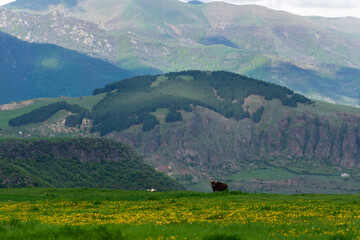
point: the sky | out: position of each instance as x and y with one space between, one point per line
324 8
3 2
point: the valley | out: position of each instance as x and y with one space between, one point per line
174 119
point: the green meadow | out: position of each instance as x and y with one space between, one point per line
82 213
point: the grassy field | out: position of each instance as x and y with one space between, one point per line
108 214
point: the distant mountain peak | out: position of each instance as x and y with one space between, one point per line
195 2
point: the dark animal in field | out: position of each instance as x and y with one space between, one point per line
219 186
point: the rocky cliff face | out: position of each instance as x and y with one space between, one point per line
313 136
207 145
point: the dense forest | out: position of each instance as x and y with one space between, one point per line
97 163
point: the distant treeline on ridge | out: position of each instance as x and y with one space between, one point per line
44 113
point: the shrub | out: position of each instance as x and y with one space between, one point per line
173 116
149 122
256 117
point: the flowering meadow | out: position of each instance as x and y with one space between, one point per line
108 214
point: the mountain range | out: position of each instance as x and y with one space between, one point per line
315 56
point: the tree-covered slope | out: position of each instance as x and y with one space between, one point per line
30 70
97 163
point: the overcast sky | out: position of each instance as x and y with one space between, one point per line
325 8
3 2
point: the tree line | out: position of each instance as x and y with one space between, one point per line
42 114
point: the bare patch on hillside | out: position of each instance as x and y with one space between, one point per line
158 81
253 102
57 127
15 105
218 97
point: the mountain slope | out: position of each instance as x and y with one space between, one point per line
197 126
42 70
167 35
98 163
117 14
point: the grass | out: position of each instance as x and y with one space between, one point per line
202 186
325 108
265 174
36 213
87 102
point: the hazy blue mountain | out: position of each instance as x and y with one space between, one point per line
30 70
195 2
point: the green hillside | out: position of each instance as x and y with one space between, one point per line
31 70
97 163
222 92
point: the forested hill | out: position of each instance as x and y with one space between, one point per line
197 126
134 99
96 163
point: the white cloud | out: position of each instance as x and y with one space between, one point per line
325 8
318 3
3 2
